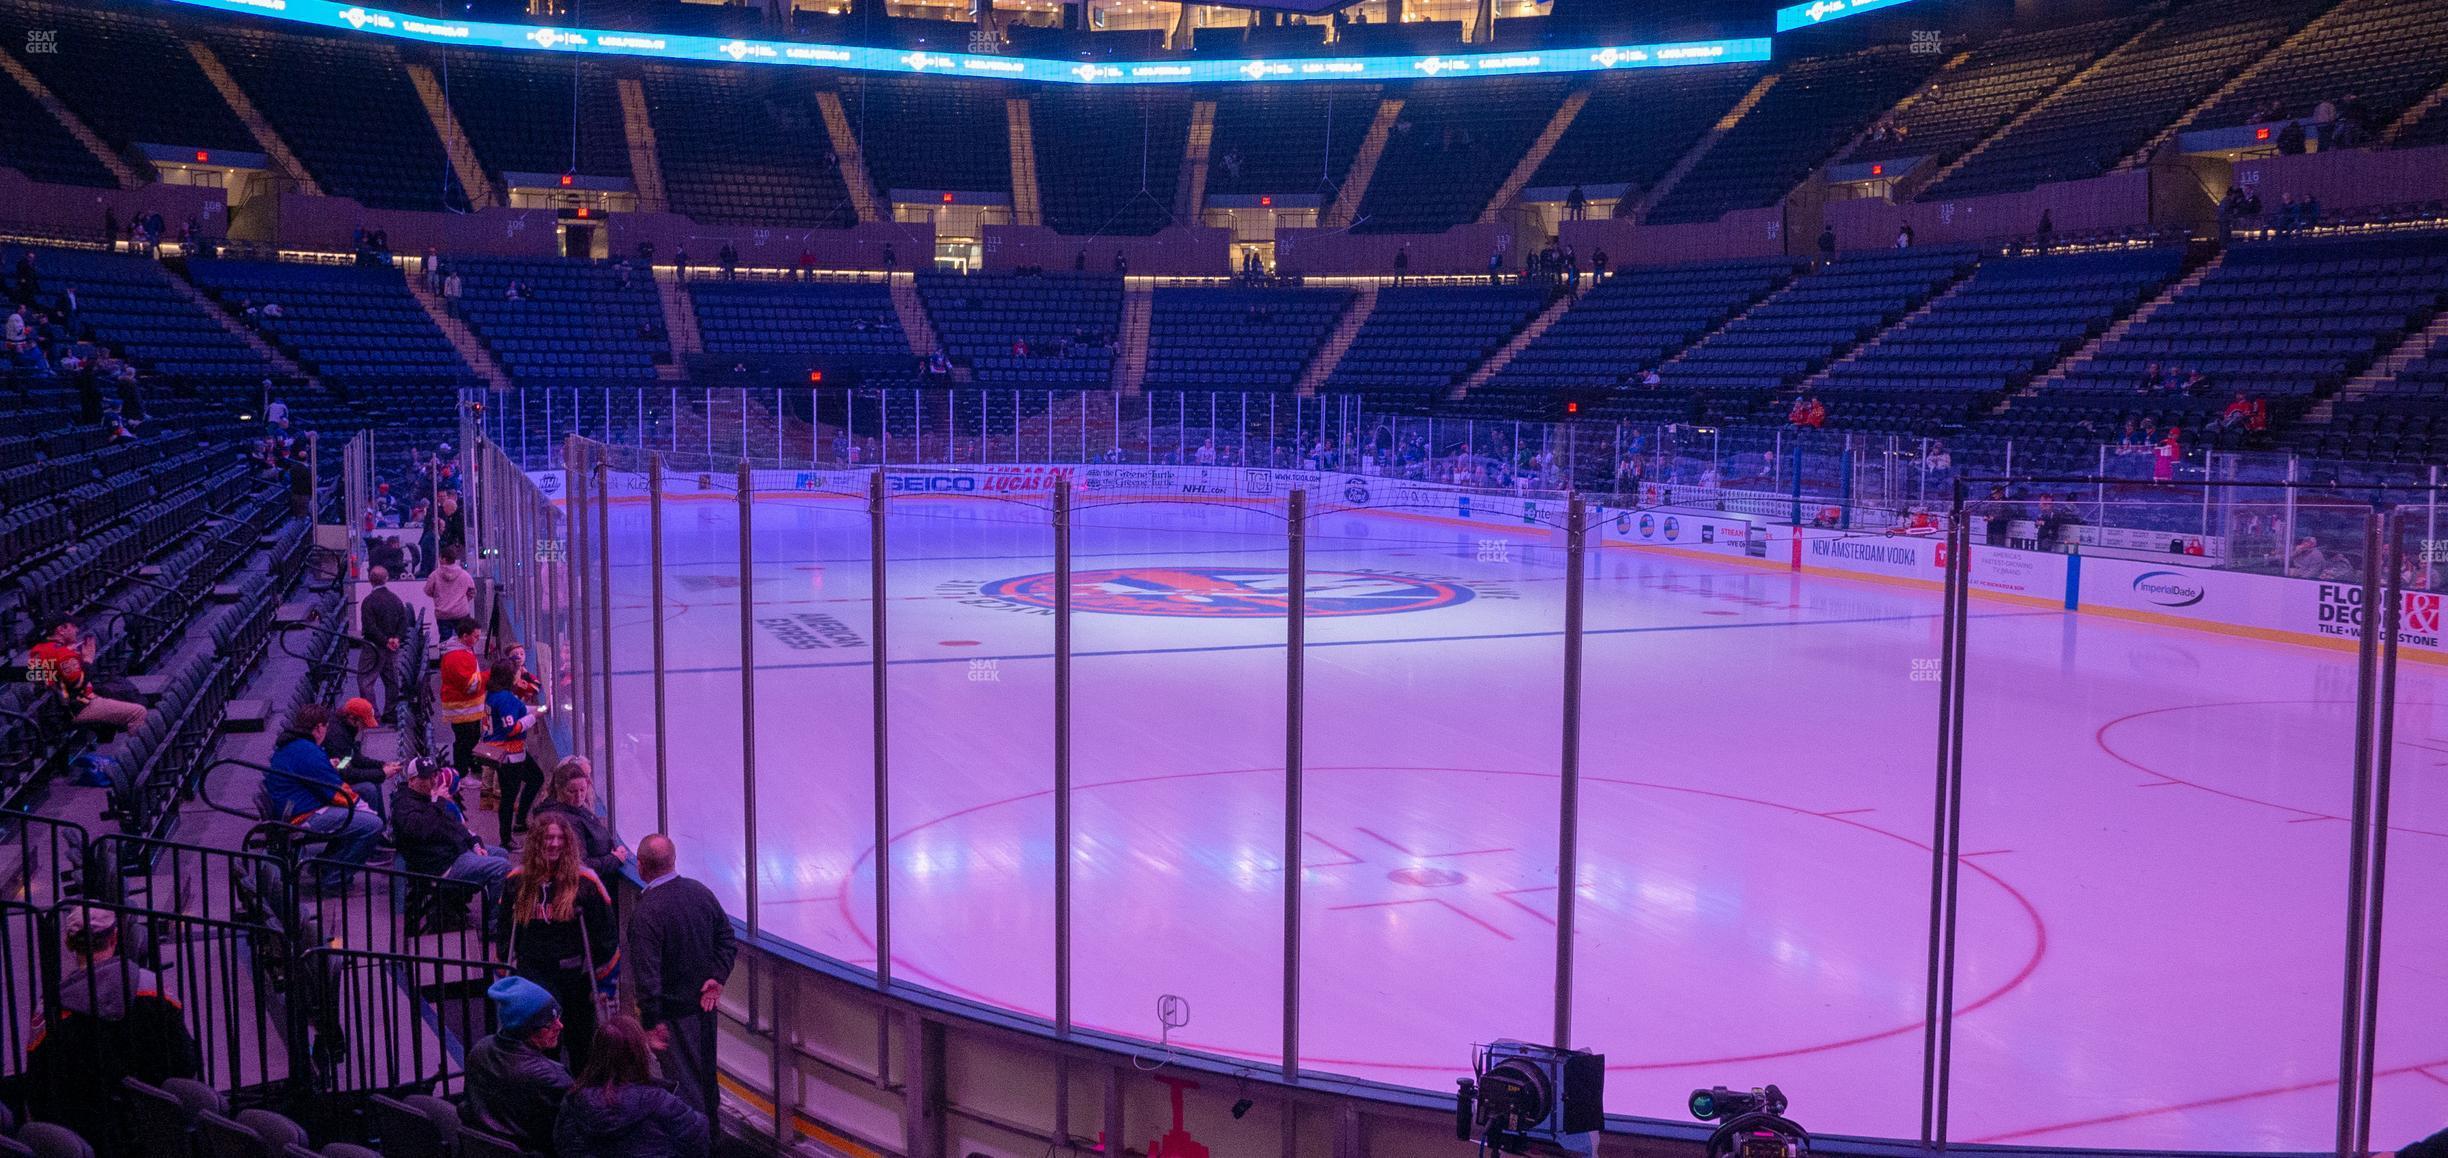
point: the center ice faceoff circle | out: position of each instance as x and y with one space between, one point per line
1232 592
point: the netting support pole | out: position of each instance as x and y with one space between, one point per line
1062 755
1938 986
748 700
2352 1094
1296 609
601 543
2384 728
662 701
1568 822
879 693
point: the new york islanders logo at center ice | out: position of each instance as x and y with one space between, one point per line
1232 592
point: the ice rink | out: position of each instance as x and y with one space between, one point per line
2154 877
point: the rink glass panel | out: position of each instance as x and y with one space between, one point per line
972 852
1433 731
1179 756
1755 814
812 601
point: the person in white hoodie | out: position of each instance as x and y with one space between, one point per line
451 588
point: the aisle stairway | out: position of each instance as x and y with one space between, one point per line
1337 343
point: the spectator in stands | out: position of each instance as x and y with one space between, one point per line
1598 267
345 745
1495 266
452 520
1206 453
2166 454
451 588
2237 413
1402 262
430 824
680 261
2307 213
681 943
515 1081
2045 234
1904 237
61 641
1576 204
1827 244
890 260
559 930
570 794
116 1021
452 287
2285 225
82 701
729 256
2307 559
507 718
307 790
301 482
462 691
29 280
384 624
1121 265
2291 139
2153 379
618 1110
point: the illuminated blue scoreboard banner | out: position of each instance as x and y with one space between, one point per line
1822 11
480 34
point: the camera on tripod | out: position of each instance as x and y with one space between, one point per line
1754 1123
1532 1099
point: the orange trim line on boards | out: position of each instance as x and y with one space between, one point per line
799 1121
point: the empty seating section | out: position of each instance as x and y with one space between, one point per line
2281 319
2012 318
580 324
1052 330
2390 426
1626 325
1237 339
920 135
34 143
350 113
1288 139
517 112
2001 78
1422 341
1811 111
129 304
344 323
1818 316
1453 147
745 147
1636 125
2082 130
828 320
2386 53
174 105
1107 160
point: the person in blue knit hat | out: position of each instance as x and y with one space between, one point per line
515 1080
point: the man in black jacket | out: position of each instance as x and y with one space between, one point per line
115 1020
429 827
681 950
514 1087
385 624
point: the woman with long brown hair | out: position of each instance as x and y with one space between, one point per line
558 928
569 792
616 1110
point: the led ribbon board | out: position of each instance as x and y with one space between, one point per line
1821 11
482 34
